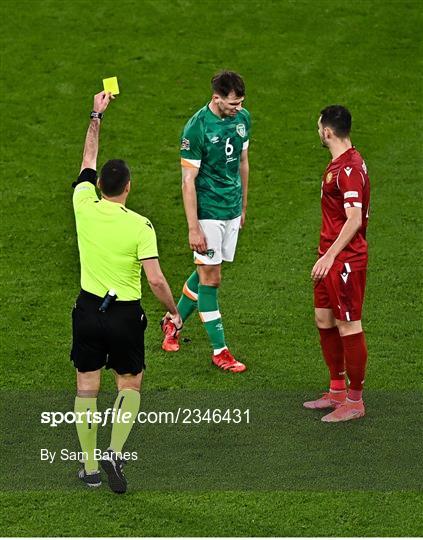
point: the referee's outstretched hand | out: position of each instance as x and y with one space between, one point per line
175 318
102 100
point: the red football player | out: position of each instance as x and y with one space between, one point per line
339 275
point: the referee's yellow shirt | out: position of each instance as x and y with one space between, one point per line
112 242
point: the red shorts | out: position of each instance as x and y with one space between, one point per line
342 291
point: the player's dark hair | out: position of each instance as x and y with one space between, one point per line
114 177
226 82
338 118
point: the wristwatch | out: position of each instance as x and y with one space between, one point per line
98 115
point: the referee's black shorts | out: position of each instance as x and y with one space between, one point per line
114 339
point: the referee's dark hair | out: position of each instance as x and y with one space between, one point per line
338 118
226 82
114 177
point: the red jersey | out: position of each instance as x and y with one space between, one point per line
345 184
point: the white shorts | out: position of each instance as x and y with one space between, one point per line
221 237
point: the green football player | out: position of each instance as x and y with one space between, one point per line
214 159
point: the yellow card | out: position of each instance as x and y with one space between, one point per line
111 85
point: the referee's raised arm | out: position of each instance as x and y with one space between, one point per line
89 158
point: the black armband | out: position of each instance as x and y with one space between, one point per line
86 175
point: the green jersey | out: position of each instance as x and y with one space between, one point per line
112 241
214 145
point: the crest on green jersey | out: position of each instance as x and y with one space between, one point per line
185 144
240 129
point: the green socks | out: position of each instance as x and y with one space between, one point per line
188 301
127 401
87 431
208 310
203 297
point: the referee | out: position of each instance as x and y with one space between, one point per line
108 322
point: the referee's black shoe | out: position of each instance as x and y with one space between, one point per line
92 480
113 467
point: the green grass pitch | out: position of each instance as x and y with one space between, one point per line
296 57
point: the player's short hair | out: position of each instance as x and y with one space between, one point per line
226 82
338 118
114 177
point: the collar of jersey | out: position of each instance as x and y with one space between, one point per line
343 155
218 118
112 204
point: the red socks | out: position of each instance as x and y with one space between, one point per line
333 353
355 351
353 348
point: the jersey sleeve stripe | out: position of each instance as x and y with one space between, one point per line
347 205
245 145
191 163
148 258
358 204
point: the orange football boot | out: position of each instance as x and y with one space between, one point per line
171 339
227 362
